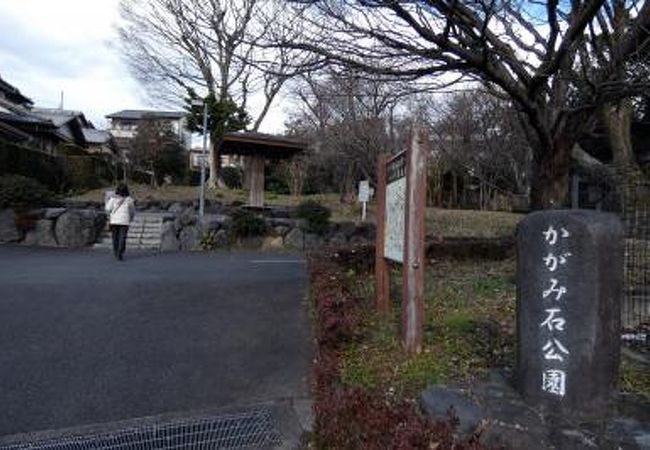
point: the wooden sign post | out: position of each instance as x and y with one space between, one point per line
401 211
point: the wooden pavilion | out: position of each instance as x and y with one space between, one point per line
256 148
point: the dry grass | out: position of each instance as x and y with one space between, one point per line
173 193
440 222
470 223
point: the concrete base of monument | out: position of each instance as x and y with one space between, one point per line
495 409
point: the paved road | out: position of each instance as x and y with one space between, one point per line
86 339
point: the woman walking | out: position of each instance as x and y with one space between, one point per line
121 209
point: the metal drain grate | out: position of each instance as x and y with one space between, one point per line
250 429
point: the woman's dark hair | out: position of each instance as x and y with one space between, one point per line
122 190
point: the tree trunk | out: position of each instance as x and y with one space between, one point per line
617 118
550 184
215 180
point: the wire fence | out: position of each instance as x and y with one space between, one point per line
627 194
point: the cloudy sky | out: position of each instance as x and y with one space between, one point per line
67 45
71 45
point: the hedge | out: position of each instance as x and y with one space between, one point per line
19 160
57 173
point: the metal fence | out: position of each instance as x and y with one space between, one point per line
254 429
627 194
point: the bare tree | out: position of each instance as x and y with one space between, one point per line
479 135
218 47
541 56
350 119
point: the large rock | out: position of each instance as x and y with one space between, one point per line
436 401
214 222
78 228
53 213
176 208
221 239
294 239
187 218
281 231
272 243
8 230
42 234
168 240
190 238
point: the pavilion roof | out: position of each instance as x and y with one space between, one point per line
259 144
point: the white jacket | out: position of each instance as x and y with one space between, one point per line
120 210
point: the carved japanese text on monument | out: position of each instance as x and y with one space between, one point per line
553 323
395 208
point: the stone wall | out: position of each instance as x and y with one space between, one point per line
55 227
184 230
79 224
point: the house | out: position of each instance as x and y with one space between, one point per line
19 126
124 125
46 129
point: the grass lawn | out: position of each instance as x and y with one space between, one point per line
469 327
173 193
440 222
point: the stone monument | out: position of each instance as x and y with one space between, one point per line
570 272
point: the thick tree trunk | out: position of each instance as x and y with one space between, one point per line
215 180
617 118
550 183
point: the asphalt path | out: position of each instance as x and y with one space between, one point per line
86 339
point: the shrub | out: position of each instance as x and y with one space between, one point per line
315 215
20 191
19 160
361 418
232 177
247 224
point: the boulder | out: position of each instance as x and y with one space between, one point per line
42 234
281 231
221 239
211 222
168 240
190 238
187 218
436 401
272 243
294 239
176 208
8 230
78 227
53 213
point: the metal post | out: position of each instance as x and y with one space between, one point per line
203 158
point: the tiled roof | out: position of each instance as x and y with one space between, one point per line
58 116
137 114
96 136
13 94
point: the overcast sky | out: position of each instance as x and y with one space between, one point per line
70 45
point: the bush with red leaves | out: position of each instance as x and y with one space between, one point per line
348 418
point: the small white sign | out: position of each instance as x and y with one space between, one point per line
196 159
364 191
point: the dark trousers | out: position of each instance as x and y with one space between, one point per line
119 239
